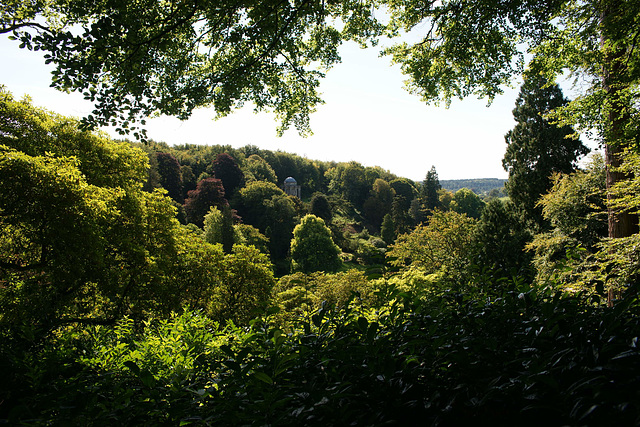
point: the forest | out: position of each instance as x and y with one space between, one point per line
149 284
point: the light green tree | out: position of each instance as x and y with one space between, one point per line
218 227
312 248
443 245
255 168
79 238
467 202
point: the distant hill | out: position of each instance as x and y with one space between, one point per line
479 186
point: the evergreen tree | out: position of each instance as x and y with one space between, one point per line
400 216
536 148
501 236
429 190
387 231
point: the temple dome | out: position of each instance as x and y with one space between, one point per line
290 180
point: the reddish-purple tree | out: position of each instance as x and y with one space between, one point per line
226 169
209 192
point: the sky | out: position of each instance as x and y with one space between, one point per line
368 117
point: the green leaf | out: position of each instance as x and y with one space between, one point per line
263 377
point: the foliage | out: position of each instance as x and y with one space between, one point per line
536 148
481 187
270 210
209 192
575 203
452 361
226 169
79 238
467 202
388 229
500 239
248 235
172 59
379 202
349 179
218 227
575 209
429 190
404 188
312 248
476 47
300 294
244 286
442 245
35 132
257 169
170 176
320 207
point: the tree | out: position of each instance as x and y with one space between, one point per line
379 202
270 210
139 59
321 207
170 176
245 285
227 170
209 192
79 239
500 239
400 217
252 202
265 53
443 245
312 248
349 180
248 235
429 190
536 148
257 169
388 229
189 180
218 227
476 47
404 188
467 202
575 206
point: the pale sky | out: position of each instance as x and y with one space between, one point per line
368 117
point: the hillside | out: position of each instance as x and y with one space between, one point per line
479 186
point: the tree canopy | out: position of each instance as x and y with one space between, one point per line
312 248
134 60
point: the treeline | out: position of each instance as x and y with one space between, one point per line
481 186
366 208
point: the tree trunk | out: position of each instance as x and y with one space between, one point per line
621 224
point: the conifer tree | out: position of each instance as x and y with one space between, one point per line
429 190
537 148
